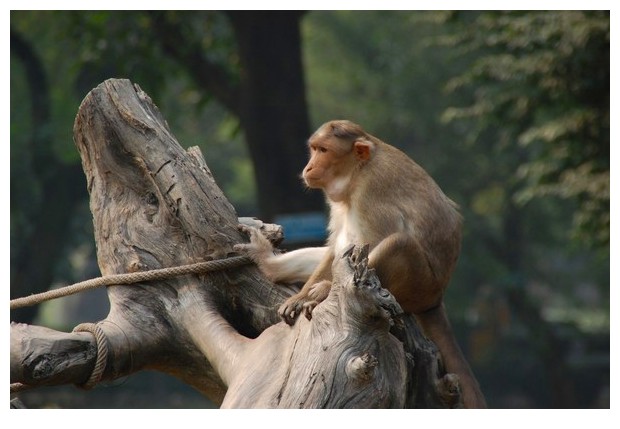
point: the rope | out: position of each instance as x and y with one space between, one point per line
102 352
111 280
131 278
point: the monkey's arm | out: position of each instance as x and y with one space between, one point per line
295 266
291 267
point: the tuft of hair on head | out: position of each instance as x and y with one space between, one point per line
346 130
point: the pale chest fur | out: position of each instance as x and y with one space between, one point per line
347 227
341 231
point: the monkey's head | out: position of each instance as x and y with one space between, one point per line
337 150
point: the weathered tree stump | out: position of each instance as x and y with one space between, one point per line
156 205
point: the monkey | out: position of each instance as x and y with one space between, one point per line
377 195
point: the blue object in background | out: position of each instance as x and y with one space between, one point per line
303 227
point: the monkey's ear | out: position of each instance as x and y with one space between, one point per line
363 149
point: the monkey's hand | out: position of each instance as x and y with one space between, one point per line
304 302
259 249
292 307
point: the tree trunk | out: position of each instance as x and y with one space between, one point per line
60 193
272 92
156 205
268 98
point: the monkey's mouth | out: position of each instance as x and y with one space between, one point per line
312 182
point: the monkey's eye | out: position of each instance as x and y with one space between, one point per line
318 148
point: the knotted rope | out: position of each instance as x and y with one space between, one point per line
130 278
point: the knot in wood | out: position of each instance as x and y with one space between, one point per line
449 389
362 368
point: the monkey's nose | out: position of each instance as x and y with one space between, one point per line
306 171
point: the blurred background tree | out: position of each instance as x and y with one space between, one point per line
508 111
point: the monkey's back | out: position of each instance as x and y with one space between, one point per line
400 196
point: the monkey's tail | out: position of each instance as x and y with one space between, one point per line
436 326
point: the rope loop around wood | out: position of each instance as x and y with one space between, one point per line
100 362
102 353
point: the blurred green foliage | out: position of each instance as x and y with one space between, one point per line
508 111
542 83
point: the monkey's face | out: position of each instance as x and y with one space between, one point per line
322 165
331 165
337 149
